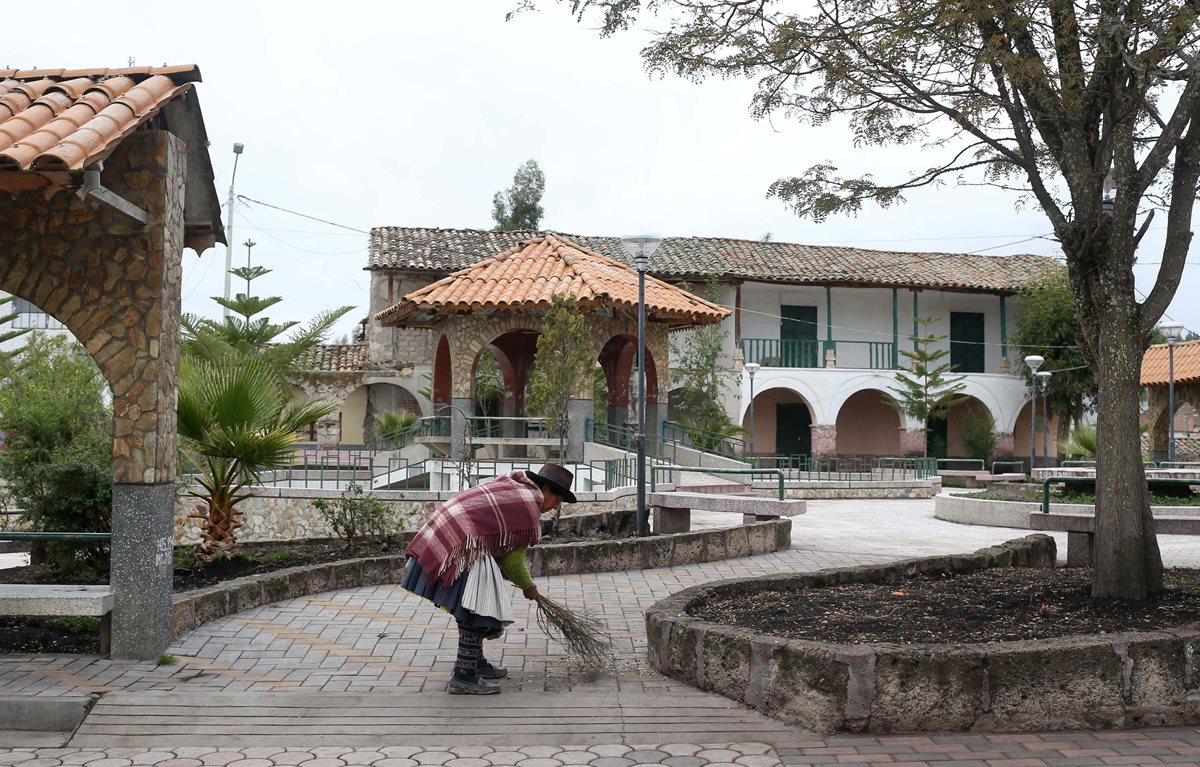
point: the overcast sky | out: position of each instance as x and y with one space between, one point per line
415 113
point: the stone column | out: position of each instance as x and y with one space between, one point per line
329 432
824 439
578 413
460 407
1005 445
912 441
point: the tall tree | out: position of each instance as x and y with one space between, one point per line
1045 97
1048 326
564 363
520 206
244 333
929 391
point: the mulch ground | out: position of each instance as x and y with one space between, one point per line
1000 605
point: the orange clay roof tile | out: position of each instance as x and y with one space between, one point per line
69 119
527 275
1156 364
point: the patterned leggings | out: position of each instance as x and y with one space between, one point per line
470 652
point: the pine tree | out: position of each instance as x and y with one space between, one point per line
564 363
928 392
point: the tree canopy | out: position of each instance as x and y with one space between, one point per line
520 206
1089 110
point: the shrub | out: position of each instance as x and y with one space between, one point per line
357 514
58 459
979 434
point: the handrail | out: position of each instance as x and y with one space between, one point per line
1092 481
1019 464
27 535
672 431
1179 464
654 470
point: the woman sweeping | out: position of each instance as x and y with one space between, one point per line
457 556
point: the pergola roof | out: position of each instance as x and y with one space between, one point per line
1156 364
527 275
55 124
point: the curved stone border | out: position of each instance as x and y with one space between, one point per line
190 609
1015 514
1082 682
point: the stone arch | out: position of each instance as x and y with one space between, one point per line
363 405
1021 433
867 424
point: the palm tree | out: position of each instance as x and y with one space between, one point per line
237 421
391 428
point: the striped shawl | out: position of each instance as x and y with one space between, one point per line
489 519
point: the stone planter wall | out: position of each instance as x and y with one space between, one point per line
1089 682
195 608
923 488
286 514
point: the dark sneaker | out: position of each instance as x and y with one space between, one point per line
488 671
474 686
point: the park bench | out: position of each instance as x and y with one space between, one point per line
972 478
673 511
1081 530
59 600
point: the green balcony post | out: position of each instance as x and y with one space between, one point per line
895 328
1003 331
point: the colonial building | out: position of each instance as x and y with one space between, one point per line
827 325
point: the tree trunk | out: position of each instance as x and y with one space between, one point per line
1127 560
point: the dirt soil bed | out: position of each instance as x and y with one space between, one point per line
1000 605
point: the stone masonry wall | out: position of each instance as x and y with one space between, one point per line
115 284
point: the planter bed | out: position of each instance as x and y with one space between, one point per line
1099 681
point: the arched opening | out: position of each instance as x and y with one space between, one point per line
618 360
867 424
1021 435
367 405
782 423
442 378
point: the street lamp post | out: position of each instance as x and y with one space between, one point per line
751 368
1044 385
641 246
237 152
1033 362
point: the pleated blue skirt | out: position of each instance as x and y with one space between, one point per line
448 598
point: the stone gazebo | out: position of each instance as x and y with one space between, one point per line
496 306
1156 377
106 178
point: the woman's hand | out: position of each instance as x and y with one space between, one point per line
531 592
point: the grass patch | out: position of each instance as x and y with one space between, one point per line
166 659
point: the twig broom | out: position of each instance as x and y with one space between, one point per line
584 635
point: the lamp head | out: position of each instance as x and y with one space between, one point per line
1172 331
238 147
1044 376
641 246
1033 362
751 368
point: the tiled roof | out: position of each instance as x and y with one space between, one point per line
57 123
527 275
334 358
439 250
1156 364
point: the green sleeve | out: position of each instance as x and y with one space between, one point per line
512 567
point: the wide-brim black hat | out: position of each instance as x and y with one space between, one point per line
558 478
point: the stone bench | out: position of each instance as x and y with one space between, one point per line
970 478
43 600
673 511
1081 530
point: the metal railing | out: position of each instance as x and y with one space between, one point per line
1019 464
492 427
1091 481
849 468
715 443
795 353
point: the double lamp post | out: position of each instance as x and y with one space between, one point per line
641 246
1038 381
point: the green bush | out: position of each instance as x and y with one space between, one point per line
58 458
979 434
357 514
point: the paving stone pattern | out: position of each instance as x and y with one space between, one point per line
377 641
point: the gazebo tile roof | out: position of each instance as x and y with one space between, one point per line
423 249
1156 364
527 275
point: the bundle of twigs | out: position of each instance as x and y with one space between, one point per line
585 636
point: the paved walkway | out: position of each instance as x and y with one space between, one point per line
367 668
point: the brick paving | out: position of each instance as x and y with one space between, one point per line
382 640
